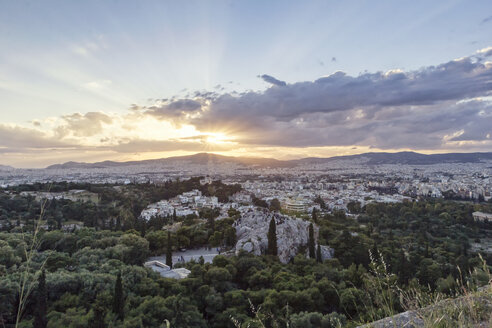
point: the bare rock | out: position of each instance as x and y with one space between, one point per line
326 252
292 234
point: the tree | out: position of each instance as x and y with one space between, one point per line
137 248
272 238
230 236
118 301
216 239
40 320
314 215
98 313
169 251
174 215
275 205
211 223
319 257
320 201
354 207
311 243
259 202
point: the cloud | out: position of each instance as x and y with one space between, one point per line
20 139
391 109
142 145
175 109
485 52
272 80
83 125
486 20
97 85
87 48
446 106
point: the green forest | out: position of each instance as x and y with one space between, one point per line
94 276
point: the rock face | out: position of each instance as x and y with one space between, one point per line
292 234
327 252
474 309
408 319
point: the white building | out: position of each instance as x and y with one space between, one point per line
165 271
480 216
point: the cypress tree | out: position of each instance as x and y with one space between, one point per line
40 310
174 215
118 301
211 223
169 251
314 215
98 313
375 251
312 253
319 258
272 238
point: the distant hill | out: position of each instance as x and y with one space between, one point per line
198 159
410 158
406 157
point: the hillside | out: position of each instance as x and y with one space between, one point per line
469 310
410 158
198 159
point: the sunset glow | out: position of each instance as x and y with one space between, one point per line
241 78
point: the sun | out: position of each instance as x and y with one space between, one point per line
217 138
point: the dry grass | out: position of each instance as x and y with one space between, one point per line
26 277
471 307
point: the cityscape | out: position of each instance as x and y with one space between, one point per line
245 164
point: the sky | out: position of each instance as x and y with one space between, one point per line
129 80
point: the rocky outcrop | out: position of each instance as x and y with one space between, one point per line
409 319
327 252
292 234
474 310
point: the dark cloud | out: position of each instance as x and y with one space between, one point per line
386 128
478 127
175 109
455 80
420 109
272 80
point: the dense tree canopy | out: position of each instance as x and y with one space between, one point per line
86 271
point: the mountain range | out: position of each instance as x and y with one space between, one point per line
411 158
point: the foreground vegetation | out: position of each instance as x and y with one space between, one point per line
391 258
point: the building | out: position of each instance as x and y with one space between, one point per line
295 205
480 216
165 271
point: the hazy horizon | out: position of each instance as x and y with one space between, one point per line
285 158
123 81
